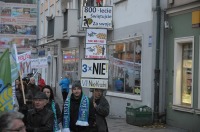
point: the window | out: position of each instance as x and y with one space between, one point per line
125 67
70 63
65 19
183 71
50 29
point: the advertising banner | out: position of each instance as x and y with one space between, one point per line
97 51
97 17
96 36
18 25
95 68
39 63
94 83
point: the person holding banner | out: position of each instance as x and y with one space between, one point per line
101 107
32 88
78 113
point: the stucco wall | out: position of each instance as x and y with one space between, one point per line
118 105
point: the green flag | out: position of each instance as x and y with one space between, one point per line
6 99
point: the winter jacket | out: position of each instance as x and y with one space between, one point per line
58 111
101 111
74 111
65 84
40 121
41 83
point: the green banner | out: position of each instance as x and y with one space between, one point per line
6 98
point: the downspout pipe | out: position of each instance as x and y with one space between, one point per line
157 68
38 21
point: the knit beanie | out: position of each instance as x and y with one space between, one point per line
77 83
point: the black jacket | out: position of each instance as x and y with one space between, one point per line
101 112
58 111
74 111
40 121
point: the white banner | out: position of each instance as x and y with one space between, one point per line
95 68
94 83
25 61
24 57
96 36
97 17
97 51
39 63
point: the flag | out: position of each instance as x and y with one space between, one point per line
6 99
14 63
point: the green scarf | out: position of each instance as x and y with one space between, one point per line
56 127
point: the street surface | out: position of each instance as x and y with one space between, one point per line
120 125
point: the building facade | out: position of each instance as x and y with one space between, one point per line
130 48
182 37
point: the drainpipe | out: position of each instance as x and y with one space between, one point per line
157 69
38 21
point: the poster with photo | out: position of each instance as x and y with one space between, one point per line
96 51
96 36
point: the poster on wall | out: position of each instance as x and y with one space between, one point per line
97 17
96 36
95 68
18 26
96 51
94 83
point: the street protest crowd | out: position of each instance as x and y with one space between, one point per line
37 110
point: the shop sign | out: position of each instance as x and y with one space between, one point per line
94 83
97 17
97 51
96 36
95 68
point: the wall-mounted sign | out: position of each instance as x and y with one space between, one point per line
94 83
97 51
95 68
96 36
97 17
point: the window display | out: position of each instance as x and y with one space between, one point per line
186 74
70 63
125 67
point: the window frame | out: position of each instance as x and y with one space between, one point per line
65 16
124 94
199 82
50 28
178 42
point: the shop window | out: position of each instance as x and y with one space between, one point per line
70 63
125 67
183 72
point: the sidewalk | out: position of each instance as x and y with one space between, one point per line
120 125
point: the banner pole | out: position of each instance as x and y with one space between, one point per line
22 86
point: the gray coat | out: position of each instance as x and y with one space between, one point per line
101 112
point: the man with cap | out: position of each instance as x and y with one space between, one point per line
78 113
40 119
